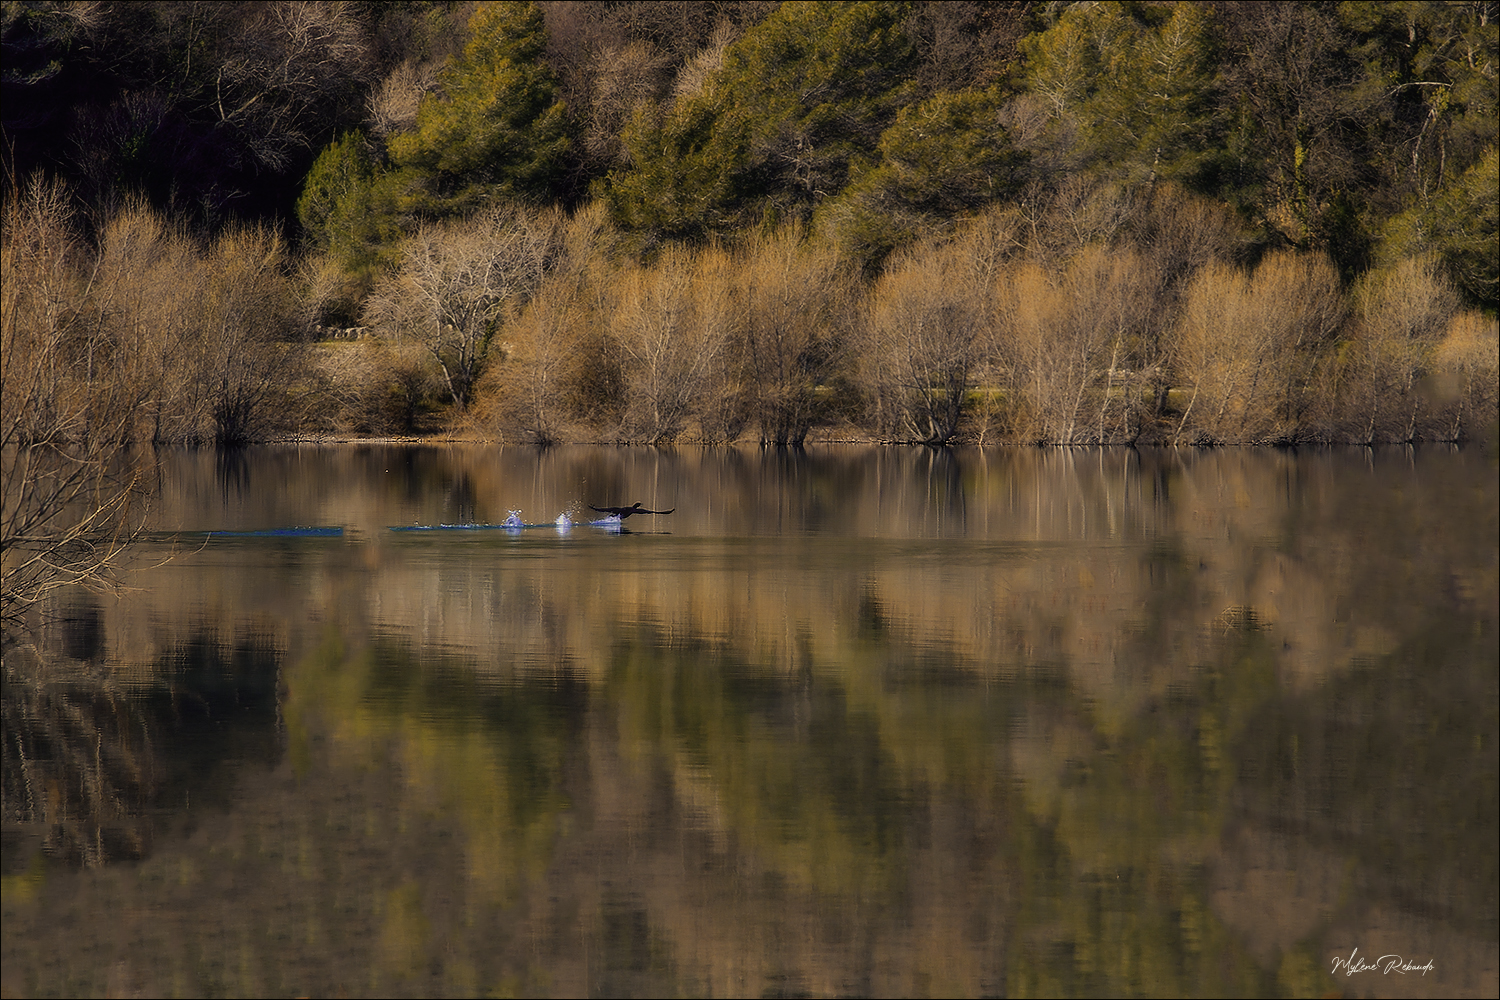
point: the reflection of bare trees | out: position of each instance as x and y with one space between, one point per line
89 758
80 760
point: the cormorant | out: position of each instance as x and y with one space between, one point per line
623 512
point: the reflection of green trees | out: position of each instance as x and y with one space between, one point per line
1125 814
1394 765
836 771
734 786
493 755
800 775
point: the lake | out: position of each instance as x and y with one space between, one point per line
851 720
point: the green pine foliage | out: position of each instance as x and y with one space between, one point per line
335 207
1461 226
496 130
940 160
1127 93
801 98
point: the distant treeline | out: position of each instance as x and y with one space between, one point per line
998 222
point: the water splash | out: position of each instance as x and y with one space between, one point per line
513 521
564 523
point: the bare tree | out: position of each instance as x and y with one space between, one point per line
1468 370
544 350
456 282
149 283
928 331
287 63
242 350
1256 348
67 492
393 105
1064 338
673 325
1402 313
794 299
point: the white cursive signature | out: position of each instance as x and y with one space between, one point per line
1385 964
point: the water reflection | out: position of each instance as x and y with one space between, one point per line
851 721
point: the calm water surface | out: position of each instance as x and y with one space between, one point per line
850 721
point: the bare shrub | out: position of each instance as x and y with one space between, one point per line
243 355
367 386
722 402
697 71
673 323
928 331
627 76
67 491
285 65
1257 350
1467 369
559 367
1401 314
1112 296
1212 359
146 276
1061 221
393 105
1176 233
1063 339
532 390
796 296
1180 232
456 283
149 336
330 294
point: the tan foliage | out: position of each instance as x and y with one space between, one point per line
558 366
1063 339
1402 313
673 321
1467 364
458 280
149 337
796 302
929 331
627 76
1256 350
533 391
393 105
65 504
697 71
242 356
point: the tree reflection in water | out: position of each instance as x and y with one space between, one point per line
862 721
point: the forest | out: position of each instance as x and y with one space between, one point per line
957 222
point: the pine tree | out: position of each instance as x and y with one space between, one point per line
801 98
497 129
